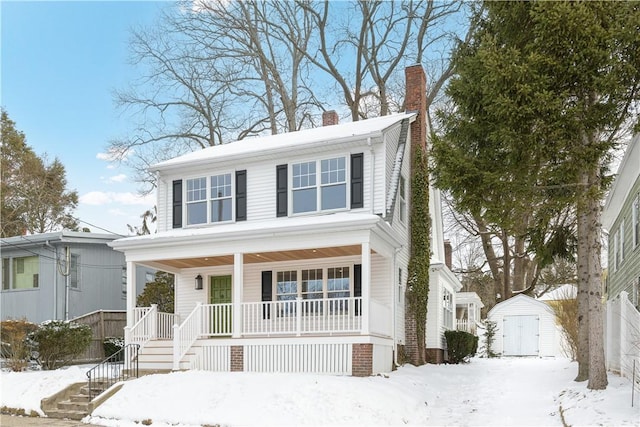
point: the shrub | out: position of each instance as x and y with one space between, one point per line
59 342
15 346
490 336
566 311
112 345
460 345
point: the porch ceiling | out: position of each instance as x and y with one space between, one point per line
257 257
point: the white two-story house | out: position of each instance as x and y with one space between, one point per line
290 251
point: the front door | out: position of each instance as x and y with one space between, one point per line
220 297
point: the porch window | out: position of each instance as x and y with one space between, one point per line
329 194
287 290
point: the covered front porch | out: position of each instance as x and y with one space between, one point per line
305 296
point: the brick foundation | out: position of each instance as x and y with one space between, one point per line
362 360
435 355
237 358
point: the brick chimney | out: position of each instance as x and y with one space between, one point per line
447 253
416 101
329 118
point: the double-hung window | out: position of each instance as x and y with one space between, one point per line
447 309
403 199
221 200
328 193
219 195
197 201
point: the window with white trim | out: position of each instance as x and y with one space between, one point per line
447 309
314 284
221 199
196 201
310 195
218 190
635 221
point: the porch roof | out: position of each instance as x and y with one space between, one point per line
278 239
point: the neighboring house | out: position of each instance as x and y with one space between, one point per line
525 327
290 251
468 306
443 286
621 218
36 286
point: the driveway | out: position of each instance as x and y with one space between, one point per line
10 421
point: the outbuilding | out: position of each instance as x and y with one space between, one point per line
525 327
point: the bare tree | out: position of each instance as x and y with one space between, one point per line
217 71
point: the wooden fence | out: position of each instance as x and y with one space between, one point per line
103 324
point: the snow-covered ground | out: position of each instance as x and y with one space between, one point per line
496 392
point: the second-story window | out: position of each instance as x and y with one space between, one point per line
220 196
311 195
197 201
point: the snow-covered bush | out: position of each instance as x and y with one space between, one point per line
59 342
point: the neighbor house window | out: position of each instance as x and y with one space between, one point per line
447 309
635 220
403 199
20 273
309 195
74 276
124 281
220 196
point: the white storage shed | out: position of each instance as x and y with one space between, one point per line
525 327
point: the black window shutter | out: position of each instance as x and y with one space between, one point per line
357 181
281 190
266 293
357 286
241 195
177 203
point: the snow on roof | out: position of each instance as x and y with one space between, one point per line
560 293
325 134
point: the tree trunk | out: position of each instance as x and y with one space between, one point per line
583 287
597 368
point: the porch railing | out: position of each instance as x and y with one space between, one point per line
302 316
150 324
186 334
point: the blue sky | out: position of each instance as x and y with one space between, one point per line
60 62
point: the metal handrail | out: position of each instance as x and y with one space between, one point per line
119 366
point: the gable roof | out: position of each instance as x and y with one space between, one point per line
258 146
628 173
519 299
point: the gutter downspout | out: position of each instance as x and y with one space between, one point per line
393 308
371 176
55 278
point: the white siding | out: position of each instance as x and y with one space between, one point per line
434 311
521 305
164 197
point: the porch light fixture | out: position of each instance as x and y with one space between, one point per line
198 282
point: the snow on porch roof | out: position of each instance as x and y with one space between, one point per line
257 145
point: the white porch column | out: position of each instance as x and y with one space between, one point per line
366 286
131 292
238 283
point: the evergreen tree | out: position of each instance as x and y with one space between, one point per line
542 92
34 195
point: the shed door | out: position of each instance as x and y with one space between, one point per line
520 335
